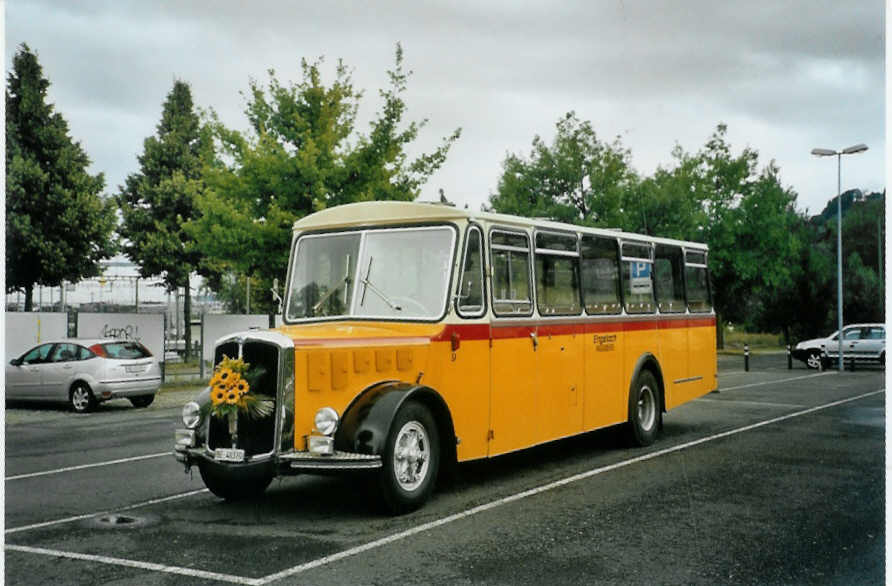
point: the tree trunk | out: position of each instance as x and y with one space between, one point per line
29 292
187 319
719 333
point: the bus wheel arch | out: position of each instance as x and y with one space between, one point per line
367 421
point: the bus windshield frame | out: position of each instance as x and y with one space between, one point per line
388 273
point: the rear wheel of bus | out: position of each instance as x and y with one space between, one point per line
645 412
411 459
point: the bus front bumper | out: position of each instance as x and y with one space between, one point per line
292 462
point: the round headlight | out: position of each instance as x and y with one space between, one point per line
191 414
326 421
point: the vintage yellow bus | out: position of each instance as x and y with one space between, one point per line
416 335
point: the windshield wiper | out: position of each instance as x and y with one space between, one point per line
368 285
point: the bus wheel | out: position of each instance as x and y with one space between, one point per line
645 415
231 485
411 459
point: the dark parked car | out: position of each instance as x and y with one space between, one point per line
84 373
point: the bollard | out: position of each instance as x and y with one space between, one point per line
789 358
746 357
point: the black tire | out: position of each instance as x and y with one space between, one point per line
411 459
234 485
81 398
142 401
645 410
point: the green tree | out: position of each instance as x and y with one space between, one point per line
748 220
158 200
806 308
302 155
863 230
58 226
862 292
577 179
670 203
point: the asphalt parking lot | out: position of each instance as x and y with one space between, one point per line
777 478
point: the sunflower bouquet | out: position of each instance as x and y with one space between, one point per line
231 391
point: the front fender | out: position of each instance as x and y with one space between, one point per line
366 422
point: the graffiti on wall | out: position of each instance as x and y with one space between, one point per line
127 332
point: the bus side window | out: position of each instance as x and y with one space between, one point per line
599 262
669 279
697 282
470 293
510 253
557 280
638 290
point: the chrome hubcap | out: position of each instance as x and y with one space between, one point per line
814 360
647 408
80 398
411 456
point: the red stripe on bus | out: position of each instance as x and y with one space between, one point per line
502 333
463 331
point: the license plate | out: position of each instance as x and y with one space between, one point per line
229 455
135 369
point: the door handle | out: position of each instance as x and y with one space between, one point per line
535 339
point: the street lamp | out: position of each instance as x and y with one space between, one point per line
858 148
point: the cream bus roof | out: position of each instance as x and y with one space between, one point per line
376 213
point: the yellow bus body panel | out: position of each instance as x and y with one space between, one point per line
506 387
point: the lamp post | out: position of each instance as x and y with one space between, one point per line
858 148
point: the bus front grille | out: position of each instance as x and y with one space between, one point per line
255 436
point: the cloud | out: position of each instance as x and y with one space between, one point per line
785 76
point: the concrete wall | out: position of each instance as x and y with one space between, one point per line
26 330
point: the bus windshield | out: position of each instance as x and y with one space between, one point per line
387 273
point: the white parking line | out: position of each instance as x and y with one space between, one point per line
84 466
757 403
774 382
133 564
354 551
91 515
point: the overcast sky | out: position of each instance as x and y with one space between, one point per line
784 76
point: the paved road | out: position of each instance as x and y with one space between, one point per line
779 478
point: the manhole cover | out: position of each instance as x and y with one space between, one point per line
118 520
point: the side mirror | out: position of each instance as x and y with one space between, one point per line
276 297
16 361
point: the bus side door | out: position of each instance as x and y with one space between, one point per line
514 422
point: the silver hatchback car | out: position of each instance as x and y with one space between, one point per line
84 372
860 342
